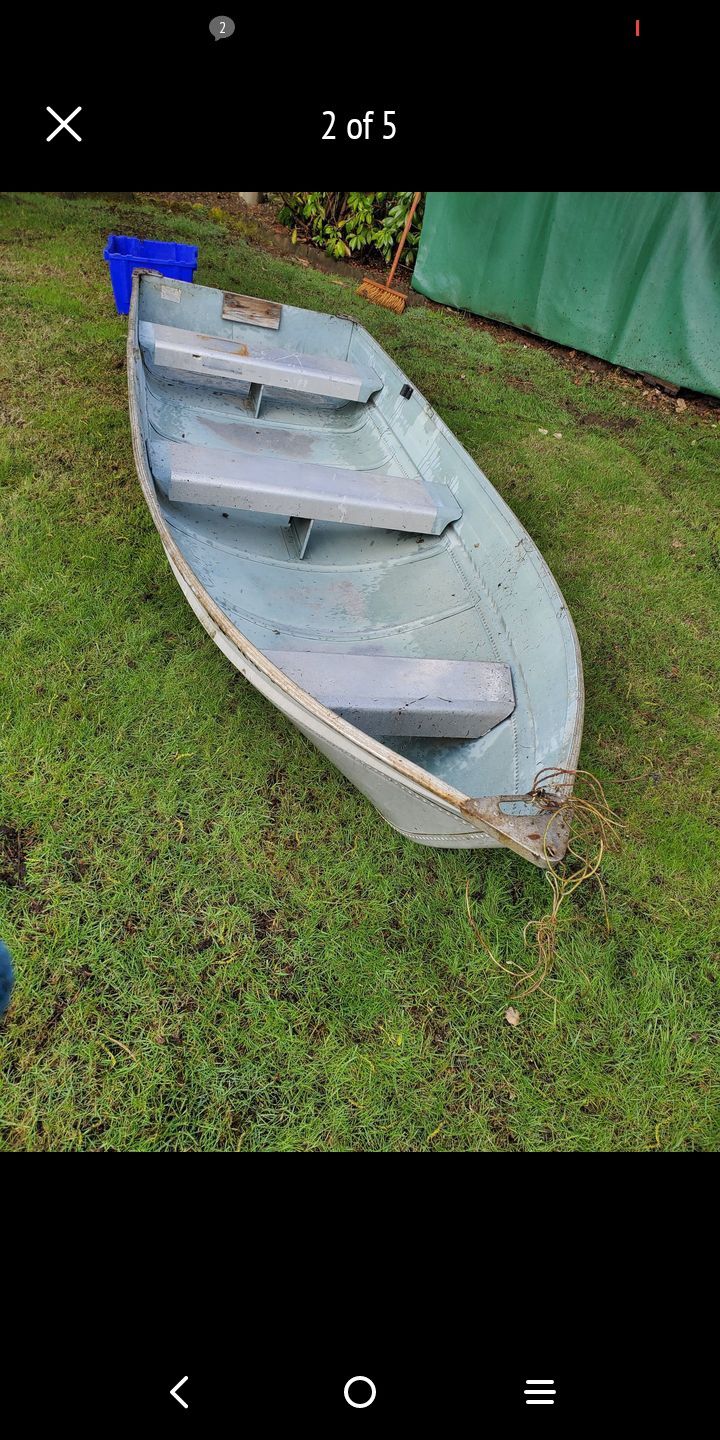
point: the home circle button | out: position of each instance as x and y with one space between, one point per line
360 1383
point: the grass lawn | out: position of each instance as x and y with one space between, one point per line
219 945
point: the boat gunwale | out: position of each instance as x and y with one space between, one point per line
483 812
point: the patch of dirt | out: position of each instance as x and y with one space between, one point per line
274 790
517 383
500 1117
615 423
264 923
433 1023
35 1044
14 845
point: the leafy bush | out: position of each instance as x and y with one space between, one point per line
360 223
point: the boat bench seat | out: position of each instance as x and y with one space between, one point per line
233 360
390 695
203 475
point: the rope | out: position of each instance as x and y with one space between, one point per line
595 830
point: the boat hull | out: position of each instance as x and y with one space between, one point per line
488 573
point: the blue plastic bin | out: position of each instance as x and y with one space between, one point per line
125 253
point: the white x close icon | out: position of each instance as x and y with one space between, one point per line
64 124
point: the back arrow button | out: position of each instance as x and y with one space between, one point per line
177 1397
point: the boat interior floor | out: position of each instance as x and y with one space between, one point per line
358 591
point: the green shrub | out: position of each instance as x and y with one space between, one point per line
359 223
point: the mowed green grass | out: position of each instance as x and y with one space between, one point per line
219 944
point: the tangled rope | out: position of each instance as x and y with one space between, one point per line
594 829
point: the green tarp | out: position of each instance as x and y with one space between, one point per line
633 277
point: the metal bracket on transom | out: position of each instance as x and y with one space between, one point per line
299 535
